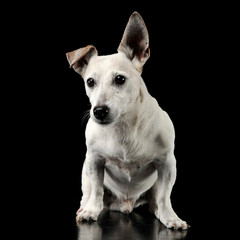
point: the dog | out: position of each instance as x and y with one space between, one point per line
130 140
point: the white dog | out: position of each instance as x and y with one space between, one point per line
130 139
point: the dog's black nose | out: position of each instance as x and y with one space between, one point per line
101 112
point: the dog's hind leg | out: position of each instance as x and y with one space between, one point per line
141 201
151 196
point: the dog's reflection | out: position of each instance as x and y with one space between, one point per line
115 225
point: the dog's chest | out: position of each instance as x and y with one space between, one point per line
128 147
130 171
128 162
128 155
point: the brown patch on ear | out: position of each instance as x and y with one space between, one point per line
78 59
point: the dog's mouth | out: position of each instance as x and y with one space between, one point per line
104 122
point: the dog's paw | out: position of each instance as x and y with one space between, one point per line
170 219
174 223
88 213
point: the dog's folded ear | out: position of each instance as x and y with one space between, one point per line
78 59
135 41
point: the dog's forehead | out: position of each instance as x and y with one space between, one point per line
114 62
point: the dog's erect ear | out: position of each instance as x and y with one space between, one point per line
135 41
78 59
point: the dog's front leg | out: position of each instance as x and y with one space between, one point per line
166 179
94 169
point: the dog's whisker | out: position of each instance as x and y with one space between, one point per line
86 116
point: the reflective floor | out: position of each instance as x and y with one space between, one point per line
117 226
138 225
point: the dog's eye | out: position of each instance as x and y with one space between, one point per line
120 80
90 82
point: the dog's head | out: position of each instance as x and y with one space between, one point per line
113 82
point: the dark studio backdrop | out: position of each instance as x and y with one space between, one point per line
53 99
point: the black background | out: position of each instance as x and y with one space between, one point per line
48 101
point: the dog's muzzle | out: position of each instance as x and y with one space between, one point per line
101 113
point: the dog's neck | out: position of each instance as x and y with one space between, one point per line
136 125
139 112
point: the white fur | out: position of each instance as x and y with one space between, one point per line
133 156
